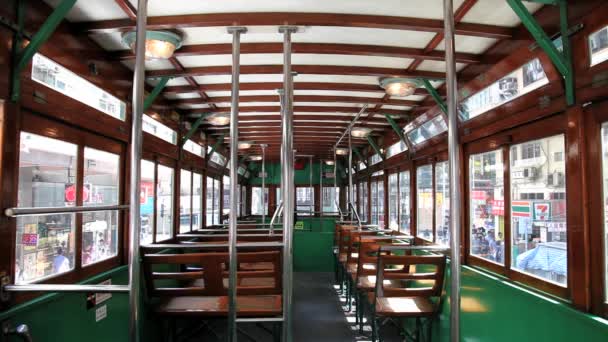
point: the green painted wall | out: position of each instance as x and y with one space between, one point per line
302 177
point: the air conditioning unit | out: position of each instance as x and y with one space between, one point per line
556 179
530 172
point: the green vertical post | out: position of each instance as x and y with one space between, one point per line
375 146
157 89
434 94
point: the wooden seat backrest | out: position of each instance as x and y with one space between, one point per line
368 255
353 243
343 238
415 268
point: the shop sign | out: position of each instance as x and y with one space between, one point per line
478 195
556 227
29 239
520 209
542 211
299 225
498 207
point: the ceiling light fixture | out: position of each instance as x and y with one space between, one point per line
341 151
399 86
219 119
159 44
360 132
243 145
329 162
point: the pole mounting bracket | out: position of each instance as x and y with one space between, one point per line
435 95
155 92
375 146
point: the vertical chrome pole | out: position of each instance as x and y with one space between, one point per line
264 206
455 172
288 179
234 165
134 191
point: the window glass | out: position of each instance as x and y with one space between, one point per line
185 196
521 81
538 222
393 201
331 196
598 45
47 175
442 203
486 195
374 203
197 201
216 201
226 195
218 159
164 203
158 129
364 201
395 149
380 185
100 228
259 206
605 203
58 78
146 202
305 200
424 208
375 159
193 148
209 200
404 202
427 130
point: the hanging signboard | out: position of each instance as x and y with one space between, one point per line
520 209
542 211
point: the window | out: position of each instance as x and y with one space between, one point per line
197 201
226 195
193 148
305 200
362 166
395 149
377 203
101 187
158 130
538 226
164 203
487 205
259 206
146 202
363 193
424 207
529 77
213 202
58 78
47 178
427 130
375 159
404 202
598 46
243 207
605 202
331 196
374 203
218 158
393 199
442 203
185 196
530 150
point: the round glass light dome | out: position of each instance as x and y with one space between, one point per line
159 44
243 145
219 119
360 132
341 151
399 86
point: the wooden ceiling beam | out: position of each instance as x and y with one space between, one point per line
297 19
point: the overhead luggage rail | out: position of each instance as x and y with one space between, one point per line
19 212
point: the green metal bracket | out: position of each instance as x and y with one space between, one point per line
375 146
217 144
44 33
157 89
356 150
561 60
434 94
399 132
193 129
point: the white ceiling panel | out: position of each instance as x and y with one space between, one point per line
296 59
242 93
412 97
338 93
469 44
328 104
496 12
92 10
336 79
193 106
182 96
396 107
437 66
250 104
109 41
179 81
244 78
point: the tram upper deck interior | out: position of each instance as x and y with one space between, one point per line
347 106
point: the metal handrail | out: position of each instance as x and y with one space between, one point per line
432 248
354 210
277 213
74 288
18 212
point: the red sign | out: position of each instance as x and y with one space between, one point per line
29 239
70 192
498 207
478 195
147 190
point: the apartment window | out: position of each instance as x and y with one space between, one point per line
305 200
331 196
487 206
558 156
164 203
158 130
442 204
598 46
185 198
538 225
146 201
259 205
530 151
212 216
424 207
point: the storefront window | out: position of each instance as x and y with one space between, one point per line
538 210
393 201
605 203
197 201
146 201
330 197
424 208
101 187
442 203
164 203
305 201
259 206
487 206
47 178
404 202
185 196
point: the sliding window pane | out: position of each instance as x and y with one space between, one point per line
374 203
330 197
424 208
185 195
605 202
209 200
538 209
216 202
487 205
146 202
259 205
100 228
197 201
404 202
442 203
226 195
393 201
305 201
365 202
47 176
164 203
381 222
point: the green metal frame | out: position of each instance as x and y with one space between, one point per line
435 95
356 150
193 129
217 144
375 147
22 58
155 92
561 60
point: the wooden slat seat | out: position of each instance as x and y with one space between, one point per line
368 284
217 306
405 307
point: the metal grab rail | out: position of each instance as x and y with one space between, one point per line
277 213
198 245
354 210
74 288
432 248
18 212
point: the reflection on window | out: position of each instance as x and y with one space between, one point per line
424 208
393 199
331 196
185 196
442 203
197 201
521 81
193 148
395 149
158 129
427 130
305 200
487 205
363 192
598 45
538 226
100 228
259 206
47 175
164 203
605 202
213 202
377 203
226 195
404 202
58 78
375 159
146 202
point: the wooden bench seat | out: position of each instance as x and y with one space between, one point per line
217 306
